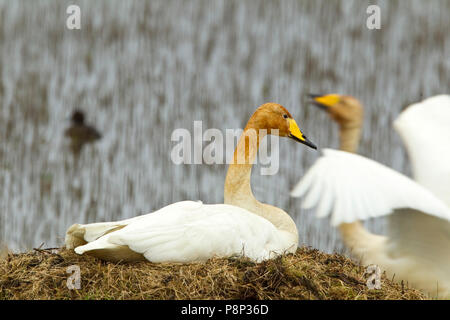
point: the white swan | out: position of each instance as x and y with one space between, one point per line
416 248
190 231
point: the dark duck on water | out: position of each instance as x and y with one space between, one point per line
80 133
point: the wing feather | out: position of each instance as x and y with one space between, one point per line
305 183
425 130
190 232
327 200
362 188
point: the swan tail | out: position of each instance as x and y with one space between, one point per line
75 236
105 250
80 234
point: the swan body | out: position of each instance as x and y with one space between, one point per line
349 188
189 231
192 231
416 248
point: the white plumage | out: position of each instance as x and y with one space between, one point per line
188 231
425 130
349 187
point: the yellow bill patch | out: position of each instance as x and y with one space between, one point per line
295 130
329 100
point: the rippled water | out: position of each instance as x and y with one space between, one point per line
142 69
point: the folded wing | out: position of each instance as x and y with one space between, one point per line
188 231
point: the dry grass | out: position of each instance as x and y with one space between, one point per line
307 274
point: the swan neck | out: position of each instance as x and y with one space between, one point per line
238 191
362 243
349 137
351 233
354 236
237 182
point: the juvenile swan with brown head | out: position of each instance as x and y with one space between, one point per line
190 231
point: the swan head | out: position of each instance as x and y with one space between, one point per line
278 121
347 111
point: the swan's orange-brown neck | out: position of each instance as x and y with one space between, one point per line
237 182
349 137
238 191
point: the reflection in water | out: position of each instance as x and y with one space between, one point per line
142 69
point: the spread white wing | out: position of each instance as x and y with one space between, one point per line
425 130
191 231
350 187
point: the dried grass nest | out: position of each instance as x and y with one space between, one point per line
307 274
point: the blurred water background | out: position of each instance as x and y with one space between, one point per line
141 69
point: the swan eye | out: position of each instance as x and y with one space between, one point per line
285 116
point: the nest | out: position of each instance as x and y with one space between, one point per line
307 274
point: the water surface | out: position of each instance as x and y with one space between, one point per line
142 69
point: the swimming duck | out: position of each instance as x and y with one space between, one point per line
80 133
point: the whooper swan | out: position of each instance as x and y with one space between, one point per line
416 248
190 231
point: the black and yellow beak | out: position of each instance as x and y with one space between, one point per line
324 101
297 135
